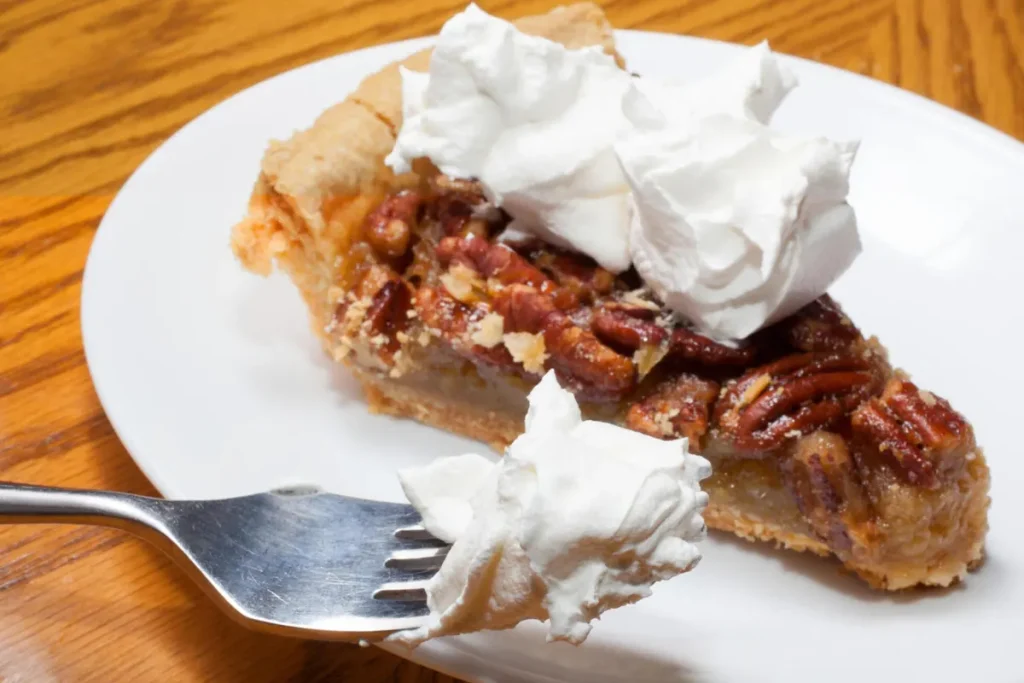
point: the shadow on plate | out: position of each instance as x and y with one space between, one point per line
344 386
596 661
830 573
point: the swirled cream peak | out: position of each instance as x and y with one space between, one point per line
533 121
751 87
578 518
734 225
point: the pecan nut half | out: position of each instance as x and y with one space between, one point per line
387 314
389 227
583 364
502 266
623 329
457 204
821 326
497 261
916 432
793 396
576 272
362 285
688 345
376 307
823 479
678 407
452 321
628 328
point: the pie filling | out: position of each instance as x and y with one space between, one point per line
817 442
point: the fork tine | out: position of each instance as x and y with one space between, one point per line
415 559
406 591
414 533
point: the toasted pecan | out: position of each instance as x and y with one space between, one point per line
591 369
387 314
576 272
678 407
497 261
389 227
794 396
452 322
821 326
457 204
823 479
917 432
623 329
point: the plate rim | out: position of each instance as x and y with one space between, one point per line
441 655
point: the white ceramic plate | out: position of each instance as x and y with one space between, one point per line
216 386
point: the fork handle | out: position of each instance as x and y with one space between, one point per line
27 504
139 515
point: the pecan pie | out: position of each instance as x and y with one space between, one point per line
817 443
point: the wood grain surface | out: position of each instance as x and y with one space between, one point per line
88 88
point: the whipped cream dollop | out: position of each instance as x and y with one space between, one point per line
579 517
531 120
732 224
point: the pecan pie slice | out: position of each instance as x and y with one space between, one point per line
817 443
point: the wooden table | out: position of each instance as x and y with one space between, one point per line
90 87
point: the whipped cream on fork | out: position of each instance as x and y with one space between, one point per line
579 517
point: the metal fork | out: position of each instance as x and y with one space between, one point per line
293 561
